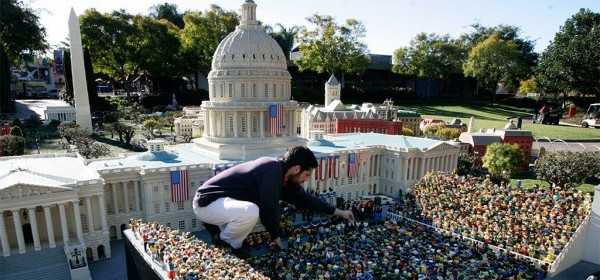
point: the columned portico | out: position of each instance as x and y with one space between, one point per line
78 227
103 213
136 196
90 218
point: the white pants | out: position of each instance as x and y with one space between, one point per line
235 218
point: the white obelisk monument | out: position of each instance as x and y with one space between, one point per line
83 116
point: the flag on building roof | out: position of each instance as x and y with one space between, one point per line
353 164
276 122
179 186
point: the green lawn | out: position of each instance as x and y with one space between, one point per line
528 184
488 116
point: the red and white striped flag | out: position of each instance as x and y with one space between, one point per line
276 121
353 164
179 186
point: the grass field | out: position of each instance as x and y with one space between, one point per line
495 116
528 184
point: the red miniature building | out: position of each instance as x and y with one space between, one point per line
369 125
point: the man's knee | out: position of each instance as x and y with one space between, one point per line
253 211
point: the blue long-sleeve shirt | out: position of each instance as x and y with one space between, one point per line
261 182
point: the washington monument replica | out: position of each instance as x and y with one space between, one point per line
82 103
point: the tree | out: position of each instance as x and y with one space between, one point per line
20 33
467 165
430 56
71 131
151 125
108 38
201 35
493 61
66 94
15 130
125 132
503 160
285 38
89 148
12 145
570 62
567 169
157 47
528 58
167 12
529 85
331 48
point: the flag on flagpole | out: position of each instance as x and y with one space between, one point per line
179 186
276 122
353 164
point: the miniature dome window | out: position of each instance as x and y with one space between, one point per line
254 56
243 56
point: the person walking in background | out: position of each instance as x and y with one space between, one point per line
231 202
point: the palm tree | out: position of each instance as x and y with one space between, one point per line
285 37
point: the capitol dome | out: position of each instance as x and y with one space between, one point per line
249 111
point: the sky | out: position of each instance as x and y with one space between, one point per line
390 24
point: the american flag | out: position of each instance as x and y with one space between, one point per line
353 164
276 123
179 186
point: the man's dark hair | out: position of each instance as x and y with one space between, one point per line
302 156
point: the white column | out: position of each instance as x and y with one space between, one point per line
4 236
422 168
404 169
235 124
18 230
126 195
34 229
213 123
90 217
262 124
103 213
136 196
223 125
63 223
78 226
115 201
49 226
206 122
248 124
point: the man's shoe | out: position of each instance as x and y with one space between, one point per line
212 229
241 253
217 241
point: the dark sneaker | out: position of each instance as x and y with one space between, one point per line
212 229
241 253
219 242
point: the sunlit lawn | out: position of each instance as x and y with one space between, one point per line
495 116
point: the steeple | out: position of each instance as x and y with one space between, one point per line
249 13
332 90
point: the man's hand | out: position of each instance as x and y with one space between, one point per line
346 214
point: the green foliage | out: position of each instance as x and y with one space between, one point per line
567 169
528 58
494 59
529 85
201 35
33 121
285 38
20 30
432 130
503 160
429 55
15 130
570 62
332 48
67 91
408 132
72 131
448 133
167 12
12 145
468 165
156 47
6 99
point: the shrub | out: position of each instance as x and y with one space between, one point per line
568 169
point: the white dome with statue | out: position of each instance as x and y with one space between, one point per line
249 112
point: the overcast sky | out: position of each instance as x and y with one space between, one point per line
390 23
